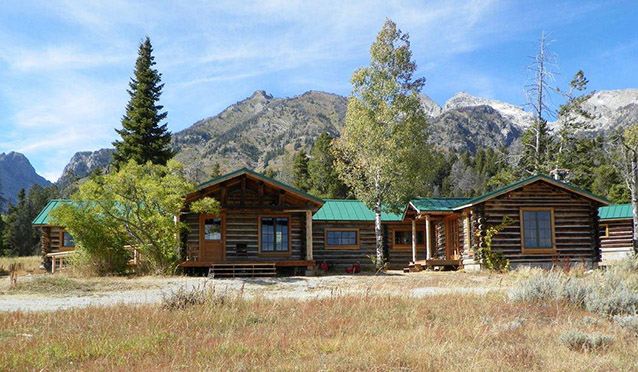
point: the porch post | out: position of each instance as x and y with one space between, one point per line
309 235
428 238
414 240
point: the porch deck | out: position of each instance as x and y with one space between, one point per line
283 263
440 263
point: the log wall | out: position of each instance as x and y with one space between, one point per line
618 244
397 258
243 228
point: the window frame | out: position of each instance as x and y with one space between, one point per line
221 228
66 247
408 246
551 249
606 229
275 253
357 245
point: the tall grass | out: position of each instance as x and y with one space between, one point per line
29 263
339 333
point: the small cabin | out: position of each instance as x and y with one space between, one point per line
54 239
263 225
550 223
616 232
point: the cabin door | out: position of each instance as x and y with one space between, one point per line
451 237
212 231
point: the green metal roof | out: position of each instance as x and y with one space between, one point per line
615 212
241 171
436 204
527 181
44 218
351 210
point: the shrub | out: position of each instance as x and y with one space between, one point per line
629 265
618 301
607 294
578 340
539 288
612 296
183 297
628 322
493 260
576 291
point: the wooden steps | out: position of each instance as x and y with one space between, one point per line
232 270
434 264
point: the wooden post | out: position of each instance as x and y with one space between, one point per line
309 235
468 234
414 240
428 238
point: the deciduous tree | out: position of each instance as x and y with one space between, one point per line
384 141
135 206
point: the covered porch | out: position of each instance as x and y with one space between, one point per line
447 233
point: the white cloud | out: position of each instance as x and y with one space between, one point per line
66 89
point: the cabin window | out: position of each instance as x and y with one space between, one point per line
537 229
275 234
67 240
342 238
213 229
603 230
402 239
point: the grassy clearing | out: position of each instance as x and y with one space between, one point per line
340 333
30 264
60 284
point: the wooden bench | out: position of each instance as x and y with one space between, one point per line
58 256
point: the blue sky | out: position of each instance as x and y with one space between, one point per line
65 65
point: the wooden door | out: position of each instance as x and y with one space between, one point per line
451 237
212 231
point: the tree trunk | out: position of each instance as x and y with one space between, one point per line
633 179
378 233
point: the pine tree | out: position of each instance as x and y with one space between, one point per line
300 171
215 171
324 181
144 138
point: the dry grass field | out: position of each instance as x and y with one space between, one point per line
450 332
29 264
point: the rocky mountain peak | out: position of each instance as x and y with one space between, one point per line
431 108
16 172
83 163
515 114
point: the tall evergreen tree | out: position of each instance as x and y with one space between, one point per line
324 181
300 174
144 138
384 143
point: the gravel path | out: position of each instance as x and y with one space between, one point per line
301 288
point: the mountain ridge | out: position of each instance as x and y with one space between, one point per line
256 131
16 172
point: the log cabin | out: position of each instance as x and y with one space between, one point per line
55 241
550 223
266 227
616 232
